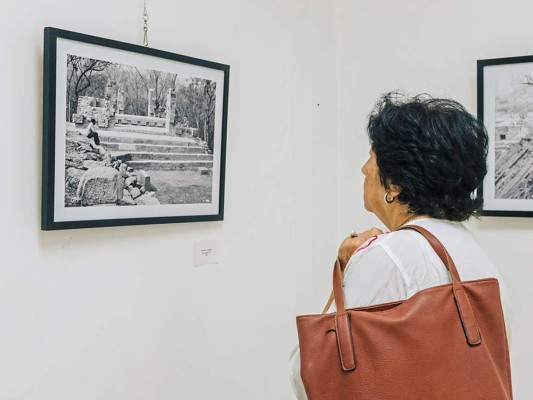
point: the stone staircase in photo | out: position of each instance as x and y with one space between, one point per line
140 129
156 152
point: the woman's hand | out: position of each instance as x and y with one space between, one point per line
349 245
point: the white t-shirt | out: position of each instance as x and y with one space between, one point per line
90 128
395 265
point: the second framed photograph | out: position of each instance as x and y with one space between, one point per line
505 105
131 135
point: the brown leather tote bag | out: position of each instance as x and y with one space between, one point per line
446 342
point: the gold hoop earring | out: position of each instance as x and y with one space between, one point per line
387 200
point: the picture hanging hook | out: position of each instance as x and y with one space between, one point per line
145 25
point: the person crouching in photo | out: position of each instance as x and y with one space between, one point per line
91 132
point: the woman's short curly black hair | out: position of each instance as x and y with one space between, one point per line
434 150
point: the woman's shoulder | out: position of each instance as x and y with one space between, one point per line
409 254
409 241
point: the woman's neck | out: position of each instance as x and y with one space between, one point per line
398 221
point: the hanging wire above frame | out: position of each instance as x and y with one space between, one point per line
145 25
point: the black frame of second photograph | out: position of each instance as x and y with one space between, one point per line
481 93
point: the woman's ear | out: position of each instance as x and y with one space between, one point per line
394 190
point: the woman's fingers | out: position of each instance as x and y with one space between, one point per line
369 233
350 245
375 231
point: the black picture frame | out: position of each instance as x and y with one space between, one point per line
147 214
506 109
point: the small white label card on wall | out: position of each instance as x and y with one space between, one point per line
206 252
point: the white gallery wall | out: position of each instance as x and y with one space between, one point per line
122 313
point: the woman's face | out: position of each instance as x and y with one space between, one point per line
373 189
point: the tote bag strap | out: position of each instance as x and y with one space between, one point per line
439 248
464 309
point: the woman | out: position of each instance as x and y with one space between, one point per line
426 159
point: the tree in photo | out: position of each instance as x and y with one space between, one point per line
160 82
84 78
196 107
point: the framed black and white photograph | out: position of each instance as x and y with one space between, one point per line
131 135
505 105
